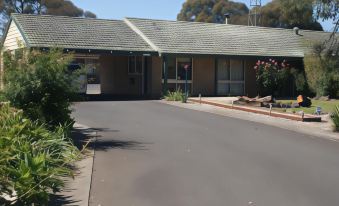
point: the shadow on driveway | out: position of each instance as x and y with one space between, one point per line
82 136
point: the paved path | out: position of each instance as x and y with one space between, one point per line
153 154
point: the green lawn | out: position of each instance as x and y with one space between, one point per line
326 106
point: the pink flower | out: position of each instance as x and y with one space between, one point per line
276 63
256 67
262 63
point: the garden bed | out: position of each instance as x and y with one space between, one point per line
258 110
326 106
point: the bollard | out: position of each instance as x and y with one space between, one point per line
232 104
271 109
200 98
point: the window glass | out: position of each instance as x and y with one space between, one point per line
223 88
237 70
171 87
93 76
172 68
223 69
139 64
182 63
237 89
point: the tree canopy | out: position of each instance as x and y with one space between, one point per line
278 13
329 10
212 11
52 7
289 14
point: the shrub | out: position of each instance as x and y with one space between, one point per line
271 76
177 95
335 118
41 84
2 97
33 159
300 81
322 72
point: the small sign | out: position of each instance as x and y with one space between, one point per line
318 110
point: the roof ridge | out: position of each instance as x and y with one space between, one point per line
218 24
63 16
141 34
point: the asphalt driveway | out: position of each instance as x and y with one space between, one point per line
153 154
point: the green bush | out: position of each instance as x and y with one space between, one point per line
271 76
41 84
2 97
335 118
300 81
177 95
33 159
322 72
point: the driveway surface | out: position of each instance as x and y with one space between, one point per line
152 154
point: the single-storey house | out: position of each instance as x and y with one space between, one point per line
146 57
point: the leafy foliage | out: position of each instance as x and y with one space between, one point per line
300 81
335 118
322 72
51 7
177 95
33 159
289 14
271 76
213 11
40 84
329 10
278 13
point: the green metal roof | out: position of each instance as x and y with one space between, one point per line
164 37
79 33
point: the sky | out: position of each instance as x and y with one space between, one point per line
152 9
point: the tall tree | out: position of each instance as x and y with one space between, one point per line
213 11
329 10
278 13
52 7
289 14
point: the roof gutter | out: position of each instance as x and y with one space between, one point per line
142 35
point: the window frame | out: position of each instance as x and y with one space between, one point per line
135 70
229 81
177 81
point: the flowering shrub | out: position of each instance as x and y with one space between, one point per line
271 75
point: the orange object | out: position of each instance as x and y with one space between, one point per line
300 99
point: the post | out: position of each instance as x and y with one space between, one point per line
186 82
165 72
271 109
200 98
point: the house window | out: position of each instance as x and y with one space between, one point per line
176 73
90 81
231 77
135 65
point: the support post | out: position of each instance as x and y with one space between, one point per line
165 74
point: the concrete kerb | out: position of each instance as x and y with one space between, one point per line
304 118
77 190
313 129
